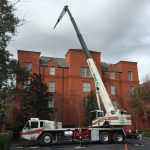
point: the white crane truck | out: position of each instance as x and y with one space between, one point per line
104 127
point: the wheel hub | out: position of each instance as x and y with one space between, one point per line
119 138
47 139
105 138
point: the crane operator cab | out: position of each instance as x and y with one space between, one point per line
95 117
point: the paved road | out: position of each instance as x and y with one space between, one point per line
130 145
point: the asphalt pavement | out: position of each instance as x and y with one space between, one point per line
143 144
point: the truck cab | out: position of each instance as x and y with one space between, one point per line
34 127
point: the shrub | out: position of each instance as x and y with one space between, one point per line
146 133
5 140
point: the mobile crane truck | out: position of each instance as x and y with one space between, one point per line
104 127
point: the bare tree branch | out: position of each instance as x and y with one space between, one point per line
16 3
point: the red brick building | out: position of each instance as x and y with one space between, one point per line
70 81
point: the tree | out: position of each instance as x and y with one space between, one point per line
8 22
140 100
90 105
9 67
8 25
36 99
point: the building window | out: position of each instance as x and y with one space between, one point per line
114 103
86 87
130 75
112 75
131 89
52 86
52 70
113 90
27 84
28 67
85 101
85 72
50 104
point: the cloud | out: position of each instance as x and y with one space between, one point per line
117 28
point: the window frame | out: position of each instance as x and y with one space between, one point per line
130 75
51 104
34 123
52 70
51 87
28 68
113 89
86 85
85 102
131 89
112 75
85 72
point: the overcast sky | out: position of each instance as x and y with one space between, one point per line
119 29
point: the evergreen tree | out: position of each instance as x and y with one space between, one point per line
91 104
36 98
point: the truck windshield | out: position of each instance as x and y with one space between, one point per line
92 117
27 126
34 124
100 114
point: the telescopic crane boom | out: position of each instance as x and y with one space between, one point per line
97 80
110 110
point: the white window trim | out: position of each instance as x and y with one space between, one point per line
84 72
113 89
112 75
50 87
52 70
130 75
86 87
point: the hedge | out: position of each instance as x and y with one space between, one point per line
146 133
5 140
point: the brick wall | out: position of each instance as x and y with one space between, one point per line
69 94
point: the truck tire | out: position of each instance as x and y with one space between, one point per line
105 137
118 138
47 139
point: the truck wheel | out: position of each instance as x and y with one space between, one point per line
47 139
118 138
105 137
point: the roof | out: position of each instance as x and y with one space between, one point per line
61 62
105 66
28 51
